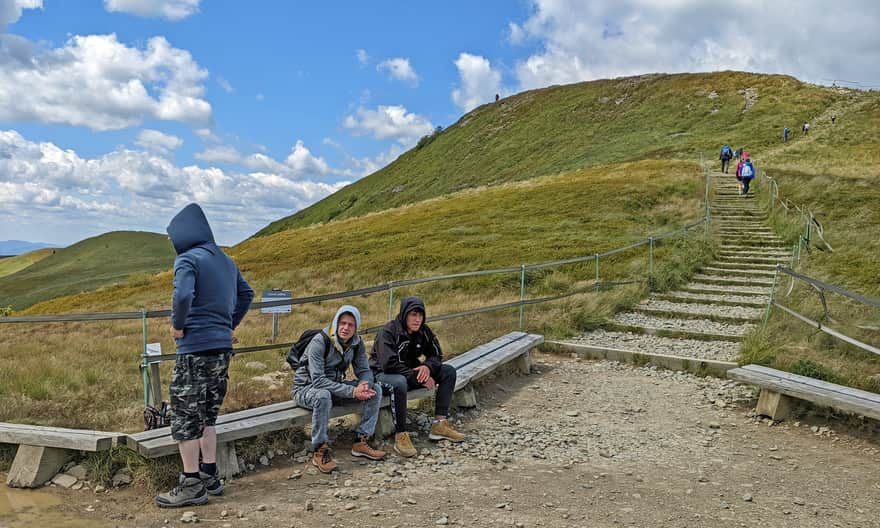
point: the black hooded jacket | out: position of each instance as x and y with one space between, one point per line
395 351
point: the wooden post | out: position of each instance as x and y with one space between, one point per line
35 465
227 460
465 398
155 384
385 425
773 404
523 363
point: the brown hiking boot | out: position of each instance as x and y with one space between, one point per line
362 449
443 431
403 445
322 459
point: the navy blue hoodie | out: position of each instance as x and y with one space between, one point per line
210 295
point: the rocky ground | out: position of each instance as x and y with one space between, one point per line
576 443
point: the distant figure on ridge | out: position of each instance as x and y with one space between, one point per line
833 118
319 383
747 172
209 301
396 359
785 132
806 128
725 156
497 97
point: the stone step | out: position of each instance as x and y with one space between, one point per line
752 301
763 253
652 344
717 289
738 266
695 310
733 281
737 247
751 242
739 271
755 260
694 328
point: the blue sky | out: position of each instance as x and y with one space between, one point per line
116 113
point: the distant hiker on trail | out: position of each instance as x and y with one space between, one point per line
746 173
725 156
396 358
319 383
833 118
209 301
743 154
738 174
497 97
785 132
806 129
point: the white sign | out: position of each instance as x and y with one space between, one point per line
276 295
154 349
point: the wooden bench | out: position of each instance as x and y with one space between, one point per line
778 388
42 451
470 366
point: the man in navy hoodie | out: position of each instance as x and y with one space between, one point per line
210 299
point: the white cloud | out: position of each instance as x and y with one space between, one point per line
168 9
362 56
479 82
389 122
158 141
221 154
400 69
590 40
10 10
224 84
515 33
97 82
206 134
50 188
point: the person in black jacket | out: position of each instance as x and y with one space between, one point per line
397 360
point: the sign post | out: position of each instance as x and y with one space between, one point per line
275 294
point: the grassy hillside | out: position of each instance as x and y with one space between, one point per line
92 368
104 260
561 128
10 265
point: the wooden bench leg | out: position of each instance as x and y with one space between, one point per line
523 363
227 460
385 425
34 465
773 404
465 398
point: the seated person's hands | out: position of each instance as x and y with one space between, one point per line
364 392
423 376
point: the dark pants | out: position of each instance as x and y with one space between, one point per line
746 185
400 385
725 165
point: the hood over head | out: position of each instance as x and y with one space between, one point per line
346 308
408 304
189 228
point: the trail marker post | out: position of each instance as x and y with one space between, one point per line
275 294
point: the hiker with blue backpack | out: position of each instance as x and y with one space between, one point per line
320 359
746 173
726 155
785 133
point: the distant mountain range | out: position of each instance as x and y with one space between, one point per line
19 247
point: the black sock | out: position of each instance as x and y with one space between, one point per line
191 475
210 469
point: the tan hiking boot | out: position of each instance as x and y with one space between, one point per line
322 459
403 445
362 449
443 431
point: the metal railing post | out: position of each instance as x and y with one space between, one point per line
144 364
770 301
597 270
390 303
650 255
522 294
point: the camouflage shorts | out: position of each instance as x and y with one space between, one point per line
198 386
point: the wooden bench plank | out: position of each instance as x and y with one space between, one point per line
831 387
809 391
57 437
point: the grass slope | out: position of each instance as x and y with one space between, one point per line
10 265
561 128
87 265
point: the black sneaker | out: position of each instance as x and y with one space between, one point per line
212 483
189 492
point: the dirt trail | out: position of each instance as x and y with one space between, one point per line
576 443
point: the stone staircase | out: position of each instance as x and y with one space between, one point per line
704 321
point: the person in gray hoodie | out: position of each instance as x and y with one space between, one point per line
209 301
319 383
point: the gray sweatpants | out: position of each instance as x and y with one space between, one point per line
320 401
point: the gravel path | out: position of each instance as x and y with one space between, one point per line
668 346
703 326
740 312
724 298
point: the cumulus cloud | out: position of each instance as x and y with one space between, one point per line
168 9
10 10
220 154
400 69
387 122
158 141
135 189
225 85
590 40
97 82
206 134
479 82
362 56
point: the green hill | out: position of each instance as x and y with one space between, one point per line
87 265
561 128
10 265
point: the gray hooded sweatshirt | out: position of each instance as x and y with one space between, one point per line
320 372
